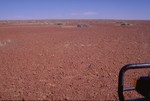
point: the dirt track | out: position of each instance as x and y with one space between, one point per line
45 61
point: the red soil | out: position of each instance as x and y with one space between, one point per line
49 62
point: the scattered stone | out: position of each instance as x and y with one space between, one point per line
66 99
116 76
82 62
89 65
93 85
109 74
34 73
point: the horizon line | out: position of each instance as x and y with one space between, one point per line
73 19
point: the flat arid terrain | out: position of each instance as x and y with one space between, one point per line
70 59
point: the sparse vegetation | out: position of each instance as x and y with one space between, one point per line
124 24
59 23
82 25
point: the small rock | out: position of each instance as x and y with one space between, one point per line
34 73
115 96
89 65
109 74
9 40
93 85
23 99
66 99
116 75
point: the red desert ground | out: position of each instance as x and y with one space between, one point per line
69 59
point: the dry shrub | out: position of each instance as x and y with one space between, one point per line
82 25
124 24
59 23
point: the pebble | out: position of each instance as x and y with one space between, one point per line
109 74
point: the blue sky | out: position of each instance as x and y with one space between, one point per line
75 9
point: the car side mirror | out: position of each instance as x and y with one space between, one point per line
142 84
